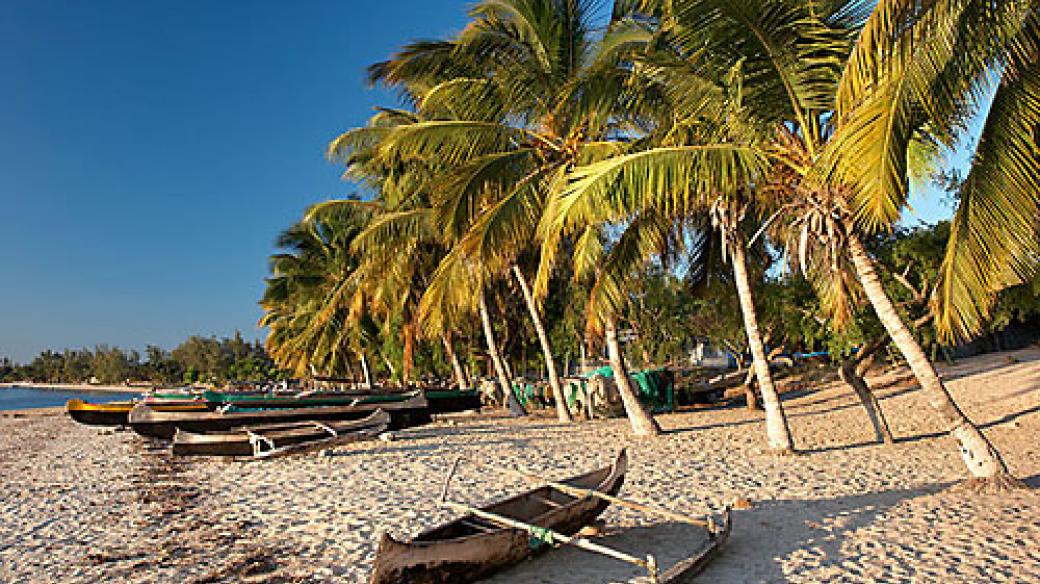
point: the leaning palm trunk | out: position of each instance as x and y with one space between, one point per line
504 382
983 461
456 367
562 413
643 424
777 430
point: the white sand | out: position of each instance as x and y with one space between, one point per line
80 504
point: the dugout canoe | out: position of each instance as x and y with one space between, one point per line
440 400
443 401
271 440
118 413
151 422
468 549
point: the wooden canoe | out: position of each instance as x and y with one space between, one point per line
279 439
468 549
118 413
440 400
443 401
149 421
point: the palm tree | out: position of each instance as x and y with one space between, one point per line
529 87
843 101
705 168
312 303
934 71
404 246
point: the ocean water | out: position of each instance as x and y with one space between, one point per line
21 398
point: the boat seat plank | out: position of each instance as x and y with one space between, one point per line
547 501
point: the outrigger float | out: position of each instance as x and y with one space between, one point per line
491 538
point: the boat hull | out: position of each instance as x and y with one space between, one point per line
448 401
268 439
118 413
156 424
110 414
440 400
456 554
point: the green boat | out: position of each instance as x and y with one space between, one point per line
440 400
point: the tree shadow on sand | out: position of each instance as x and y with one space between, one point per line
466 429
762 538
793 410
1010 417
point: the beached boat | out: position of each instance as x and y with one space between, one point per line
118 413
110 414
473 547
443 401
149 421
271 440
440 400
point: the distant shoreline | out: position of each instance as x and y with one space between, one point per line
84 387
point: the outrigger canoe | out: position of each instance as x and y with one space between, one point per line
149 421
472 547
117 413
271 440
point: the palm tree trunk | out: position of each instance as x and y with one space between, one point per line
850 373
456 367
777 430
749 390
982 459
643 424
408 359
365 371
505 384
562 413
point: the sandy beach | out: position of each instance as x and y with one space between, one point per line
82 504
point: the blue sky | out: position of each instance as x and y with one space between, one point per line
150 152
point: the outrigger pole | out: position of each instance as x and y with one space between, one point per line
546 535
708 523
687 567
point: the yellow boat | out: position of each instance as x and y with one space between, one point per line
117 413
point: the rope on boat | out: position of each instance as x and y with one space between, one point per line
328 429
540 536
257 440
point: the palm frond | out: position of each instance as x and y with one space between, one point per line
671 179
995 233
